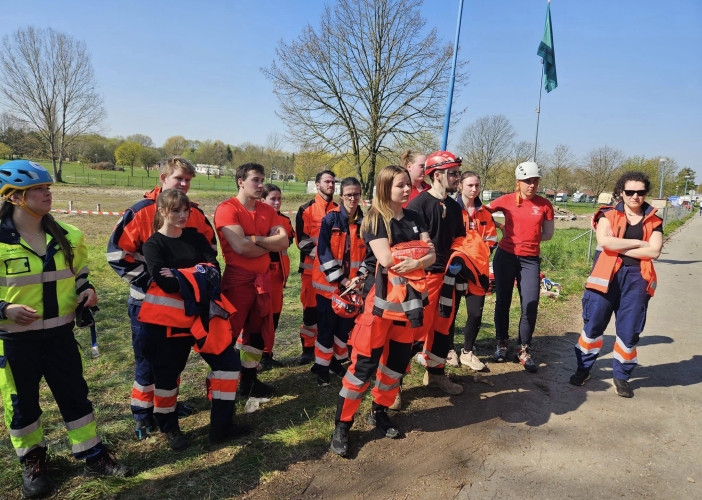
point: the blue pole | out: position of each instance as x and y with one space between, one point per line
447 119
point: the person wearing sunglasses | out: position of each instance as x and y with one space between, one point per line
622 280
444 218
528 222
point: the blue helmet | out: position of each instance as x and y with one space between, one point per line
22 174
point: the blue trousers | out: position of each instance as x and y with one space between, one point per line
628 299
142 402
332 336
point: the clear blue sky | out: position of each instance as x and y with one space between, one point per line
629 71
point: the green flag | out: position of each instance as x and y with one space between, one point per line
548 53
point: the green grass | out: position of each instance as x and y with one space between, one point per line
673 225
295 426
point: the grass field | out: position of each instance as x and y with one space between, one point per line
295 426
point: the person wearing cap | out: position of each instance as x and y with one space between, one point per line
43 280
414 162
528 222
444 219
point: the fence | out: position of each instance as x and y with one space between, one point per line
671 213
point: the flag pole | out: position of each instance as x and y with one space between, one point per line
538 109
447 118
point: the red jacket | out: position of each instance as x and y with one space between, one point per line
307 225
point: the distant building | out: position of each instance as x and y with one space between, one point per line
278 175
202 168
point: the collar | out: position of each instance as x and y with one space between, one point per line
478 203
318 199
9 233
648 210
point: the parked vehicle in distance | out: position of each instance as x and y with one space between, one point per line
561 198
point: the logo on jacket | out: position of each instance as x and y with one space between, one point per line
536 210
200 268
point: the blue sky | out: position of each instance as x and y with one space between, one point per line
629 71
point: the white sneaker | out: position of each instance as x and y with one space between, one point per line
452 359
471 361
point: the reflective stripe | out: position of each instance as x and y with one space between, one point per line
339 342
80 282
461 287
335 275
223 375
85 445
251 350
598 281
305 242
390 373
35 279
141 404
306 266
143 388
326 350
163 393
324 288
491 238
598 248
448 280
40 324
224 396
134 272
385 387
116 256
432 360
25 430
329 264
160 409
445 301
353 380
356 263
588 340
398 280
160 300
284 252
81 422
349 394
136 294
653 285
395 307
322 361
21 452
307 333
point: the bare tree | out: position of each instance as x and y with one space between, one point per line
142 139
363 81
600 168
175 145
523 151
47 78
559 167
486 145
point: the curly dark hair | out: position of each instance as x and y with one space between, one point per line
630 176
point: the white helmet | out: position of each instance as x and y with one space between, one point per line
527 170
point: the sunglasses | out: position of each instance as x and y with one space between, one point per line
632 192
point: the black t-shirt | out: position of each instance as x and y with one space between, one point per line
188 249
635 232
406 229
442 229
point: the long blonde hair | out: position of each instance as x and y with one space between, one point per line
381 208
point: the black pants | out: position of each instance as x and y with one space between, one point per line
168 356
525 270
474 311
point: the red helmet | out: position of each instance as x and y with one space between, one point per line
347 305
441 160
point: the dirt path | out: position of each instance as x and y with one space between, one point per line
536 436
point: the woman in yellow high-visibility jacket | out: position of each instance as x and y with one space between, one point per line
43 280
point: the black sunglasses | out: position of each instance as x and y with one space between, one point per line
632 192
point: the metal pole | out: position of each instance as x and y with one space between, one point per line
447 118
538 110
685 192
660 190
589 247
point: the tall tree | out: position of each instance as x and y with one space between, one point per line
486 145
600 168
47 78
128 153
148 158
5 151
362 81
142 139
559 167
175 145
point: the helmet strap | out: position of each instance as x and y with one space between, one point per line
519 195
23 204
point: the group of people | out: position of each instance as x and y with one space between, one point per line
377 289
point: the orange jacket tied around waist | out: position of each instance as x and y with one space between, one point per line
607 262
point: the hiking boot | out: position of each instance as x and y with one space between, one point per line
469 359
397 405
35 478
442 382
579 377
183 410
268 363
232 432
250 386
623 388
144 427
307 356
323 379
337 368
524 358
177 440
379 418
501 352
105 465
340 439
452 359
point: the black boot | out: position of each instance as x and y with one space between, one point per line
145 427
268 363
250 386
232 432
380 419
322 373
105 465
340 439
307 356
337 368
35 478
177 440
623 388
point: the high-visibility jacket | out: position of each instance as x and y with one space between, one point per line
307 225
340 251
467 272
400 297
607 262
46 284
480 222
281 258
124 252
198 309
